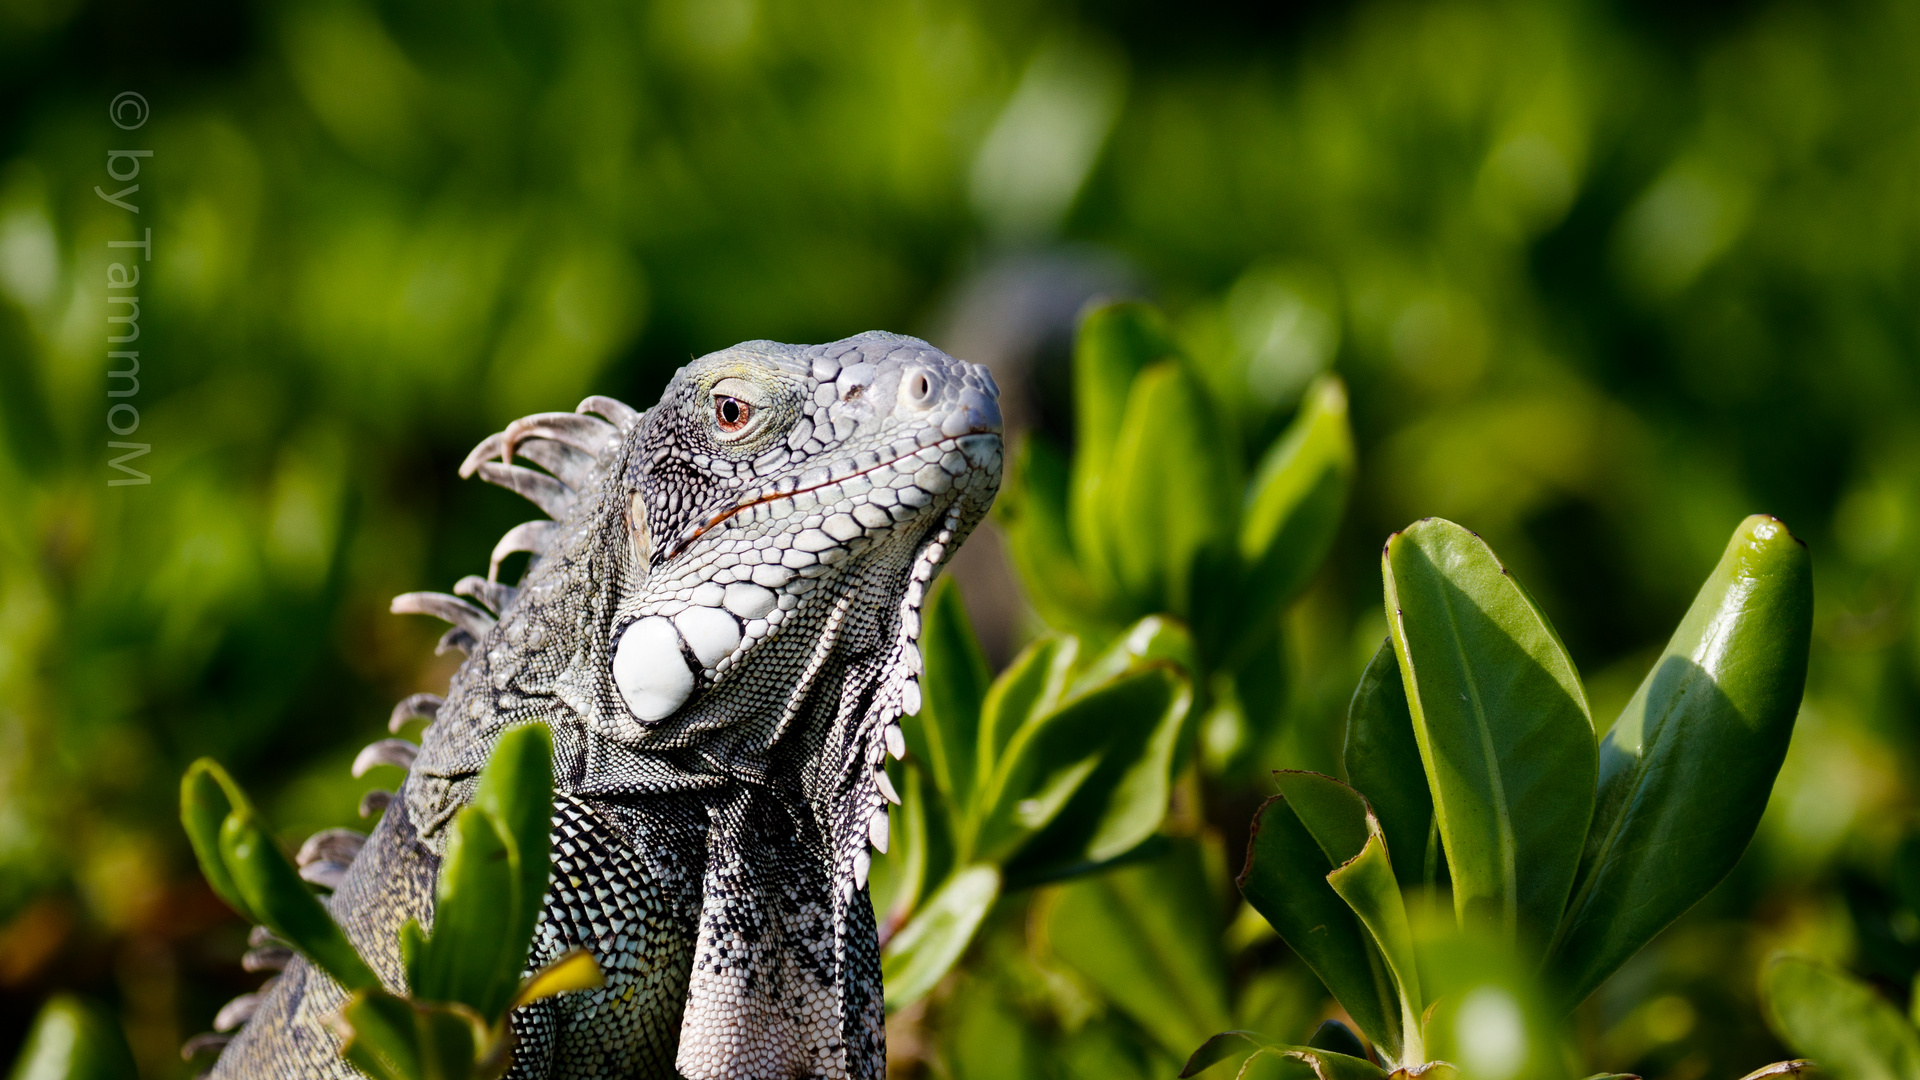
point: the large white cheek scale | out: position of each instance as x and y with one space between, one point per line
650 669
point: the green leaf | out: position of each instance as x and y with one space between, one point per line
1348 834
923 850
474 915
1294 503
1032 686
392 1038
381 1037
1314 1061
1168 500
1114 344
946 733
1152 639
516 792
1686 771
1503 726
1838 1021
1382 758
275 895
1032 512
1285 880
73 1040
1147 936
1094 775
207 796
933 941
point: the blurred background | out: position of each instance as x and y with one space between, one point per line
1602 277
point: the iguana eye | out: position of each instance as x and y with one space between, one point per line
731 412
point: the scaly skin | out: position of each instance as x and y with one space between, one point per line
720 628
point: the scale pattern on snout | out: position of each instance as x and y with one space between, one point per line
719 623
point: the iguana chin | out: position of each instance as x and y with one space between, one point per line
719 625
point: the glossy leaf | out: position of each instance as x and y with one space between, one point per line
1296 498
1382 759
1686 771
1169 497
1285 880
74 1040
934 939
1147 936
947 731
1349 836
380 1037
1838 1021
276 896
1503 725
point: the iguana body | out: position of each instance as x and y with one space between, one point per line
720 627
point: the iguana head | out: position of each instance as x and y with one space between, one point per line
731 582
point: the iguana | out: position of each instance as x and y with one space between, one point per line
720 626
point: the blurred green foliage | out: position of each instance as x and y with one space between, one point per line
1600 279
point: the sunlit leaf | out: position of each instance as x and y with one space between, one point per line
1168 499
1032 686
1502 722
1321 1064
932 942
1294 502
1686 771
516 792
1147 936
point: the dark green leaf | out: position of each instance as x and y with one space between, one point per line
1686 771
74 1040
1294 503
1382 758
274 894
932 942
1503 725
1349 836
1320 1063
1838 1021
1337 1037
1285 880
1148 937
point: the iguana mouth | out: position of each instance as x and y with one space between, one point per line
688 538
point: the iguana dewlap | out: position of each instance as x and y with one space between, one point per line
720 626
